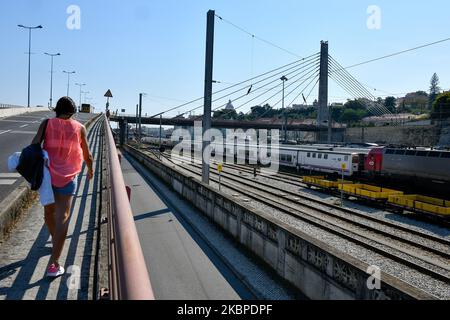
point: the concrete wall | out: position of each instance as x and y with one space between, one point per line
404 135
16 111
317 269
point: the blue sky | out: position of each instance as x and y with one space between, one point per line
157 46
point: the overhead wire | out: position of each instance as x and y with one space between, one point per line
397 53
256 37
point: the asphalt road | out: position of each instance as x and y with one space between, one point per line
15 134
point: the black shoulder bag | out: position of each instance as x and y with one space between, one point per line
31 162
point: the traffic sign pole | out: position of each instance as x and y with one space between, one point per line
108 95
343 167
220 168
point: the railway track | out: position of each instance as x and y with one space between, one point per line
293 180
420 251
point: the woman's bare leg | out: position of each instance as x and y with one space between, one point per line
50 218
62 216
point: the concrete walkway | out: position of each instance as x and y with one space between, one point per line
25 255
180 264
189 257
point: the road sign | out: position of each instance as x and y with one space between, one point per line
108 94
220 167
343 166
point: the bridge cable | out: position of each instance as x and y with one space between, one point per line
272 88
261 116
317 81
298 67
353 83
354 92
347 87
237 84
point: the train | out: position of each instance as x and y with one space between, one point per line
366 160
404 163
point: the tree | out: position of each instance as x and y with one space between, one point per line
225 114
265 111
336 113
441 106
352 116
434 90
357 104
390 103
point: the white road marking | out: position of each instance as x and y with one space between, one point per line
25 125
32 117
10 175
23 132
7 182
5 131
19 121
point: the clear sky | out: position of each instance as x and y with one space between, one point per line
157 46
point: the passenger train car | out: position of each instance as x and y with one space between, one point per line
327 160
370 162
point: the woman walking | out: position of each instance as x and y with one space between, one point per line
65 140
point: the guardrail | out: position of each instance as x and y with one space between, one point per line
129 279
9 106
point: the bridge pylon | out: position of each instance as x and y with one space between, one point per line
323 111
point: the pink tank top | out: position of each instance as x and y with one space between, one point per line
63 144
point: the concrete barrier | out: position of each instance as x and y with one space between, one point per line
16 111
317 269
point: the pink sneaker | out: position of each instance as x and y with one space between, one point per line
54 271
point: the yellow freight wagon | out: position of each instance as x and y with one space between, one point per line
423 204
323 183
366 191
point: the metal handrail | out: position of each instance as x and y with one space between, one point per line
129 279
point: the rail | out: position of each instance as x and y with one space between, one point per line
128 276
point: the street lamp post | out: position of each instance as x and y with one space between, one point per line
29 55
284 79
52 55
68 80
140 114
80 85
